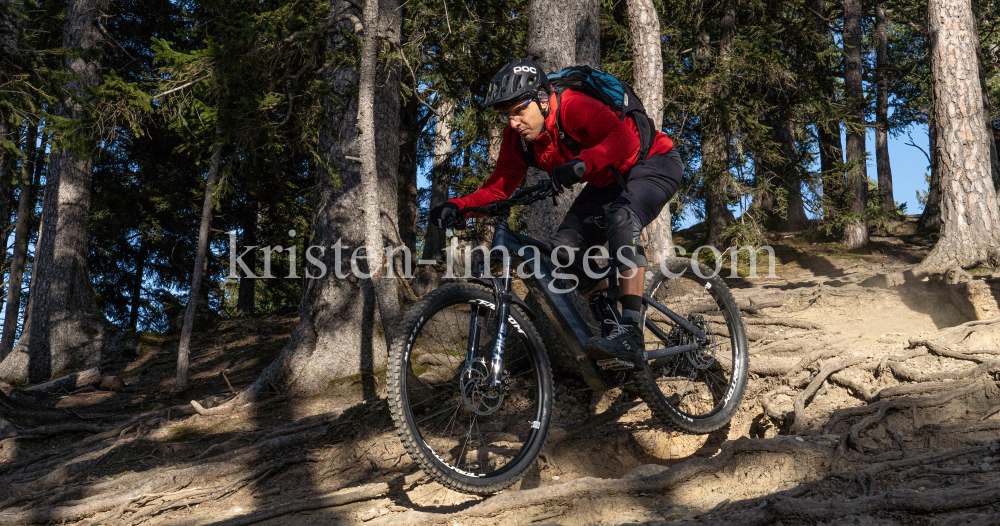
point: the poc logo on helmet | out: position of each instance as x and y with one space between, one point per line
525 69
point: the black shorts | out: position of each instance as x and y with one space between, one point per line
648 188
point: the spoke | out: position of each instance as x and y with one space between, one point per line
434 414
452 420
468 438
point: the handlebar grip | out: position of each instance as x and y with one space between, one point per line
580 168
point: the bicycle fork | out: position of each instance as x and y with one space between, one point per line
496 379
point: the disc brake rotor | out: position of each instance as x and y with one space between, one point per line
476 394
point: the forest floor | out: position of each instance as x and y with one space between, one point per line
885 410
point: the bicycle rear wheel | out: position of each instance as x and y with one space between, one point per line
467 437
696 391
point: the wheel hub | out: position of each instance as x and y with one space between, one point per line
704 356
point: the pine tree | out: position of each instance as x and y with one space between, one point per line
64 328
855 229
970 215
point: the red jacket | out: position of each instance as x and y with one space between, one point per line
607 141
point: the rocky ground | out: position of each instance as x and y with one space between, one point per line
873 399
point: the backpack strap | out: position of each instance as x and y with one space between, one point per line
571 143
643 124
527 153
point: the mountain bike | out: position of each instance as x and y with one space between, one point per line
469 381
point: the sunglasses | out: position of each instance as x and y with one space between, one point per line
516 111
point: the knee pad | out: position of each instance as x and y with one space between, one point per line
567 237
624 231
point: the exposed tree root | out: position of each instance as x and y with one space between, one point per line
338 498
811 358
107 497
803 397
801 452
782 322
874 413
942 350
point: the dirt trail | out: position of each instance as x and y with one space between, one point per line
871 401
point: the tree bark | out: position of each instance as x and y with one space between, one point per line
434 240
409 137
882 109
246 299
647 70
65 328
930 218
970 219
987 114
22 226
191 309
855 229
336 335
715 134
561 33
496 138
140 271
386 296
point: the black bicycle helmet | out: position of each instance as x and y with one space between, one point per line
520 79
996 123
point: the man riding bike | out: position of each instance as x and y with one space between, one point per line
521 93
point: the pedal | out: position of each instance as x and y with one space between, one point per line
615 364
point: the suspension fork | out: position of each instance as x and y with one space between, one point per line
503 298
502 294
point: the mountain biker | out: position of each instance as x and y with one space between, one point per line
996 131
521 93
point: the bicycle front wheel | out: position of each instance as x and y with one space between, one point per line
697 391
469 437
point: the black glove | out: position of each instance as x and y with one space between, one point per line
567 175
443 215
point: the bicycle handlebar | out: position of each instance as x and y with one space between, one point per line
524 196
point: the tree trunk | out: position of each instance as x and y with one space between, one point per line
434 241
561 33
496 138
7 168
930 218
246 299
785 171
882 109
199 268
409 137
828 131
65 328
336 335
647 70
715 134
987 114
855 230
140 270
386 295
970 220
22 226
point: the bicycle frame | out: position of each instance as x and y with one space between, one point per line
569 323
